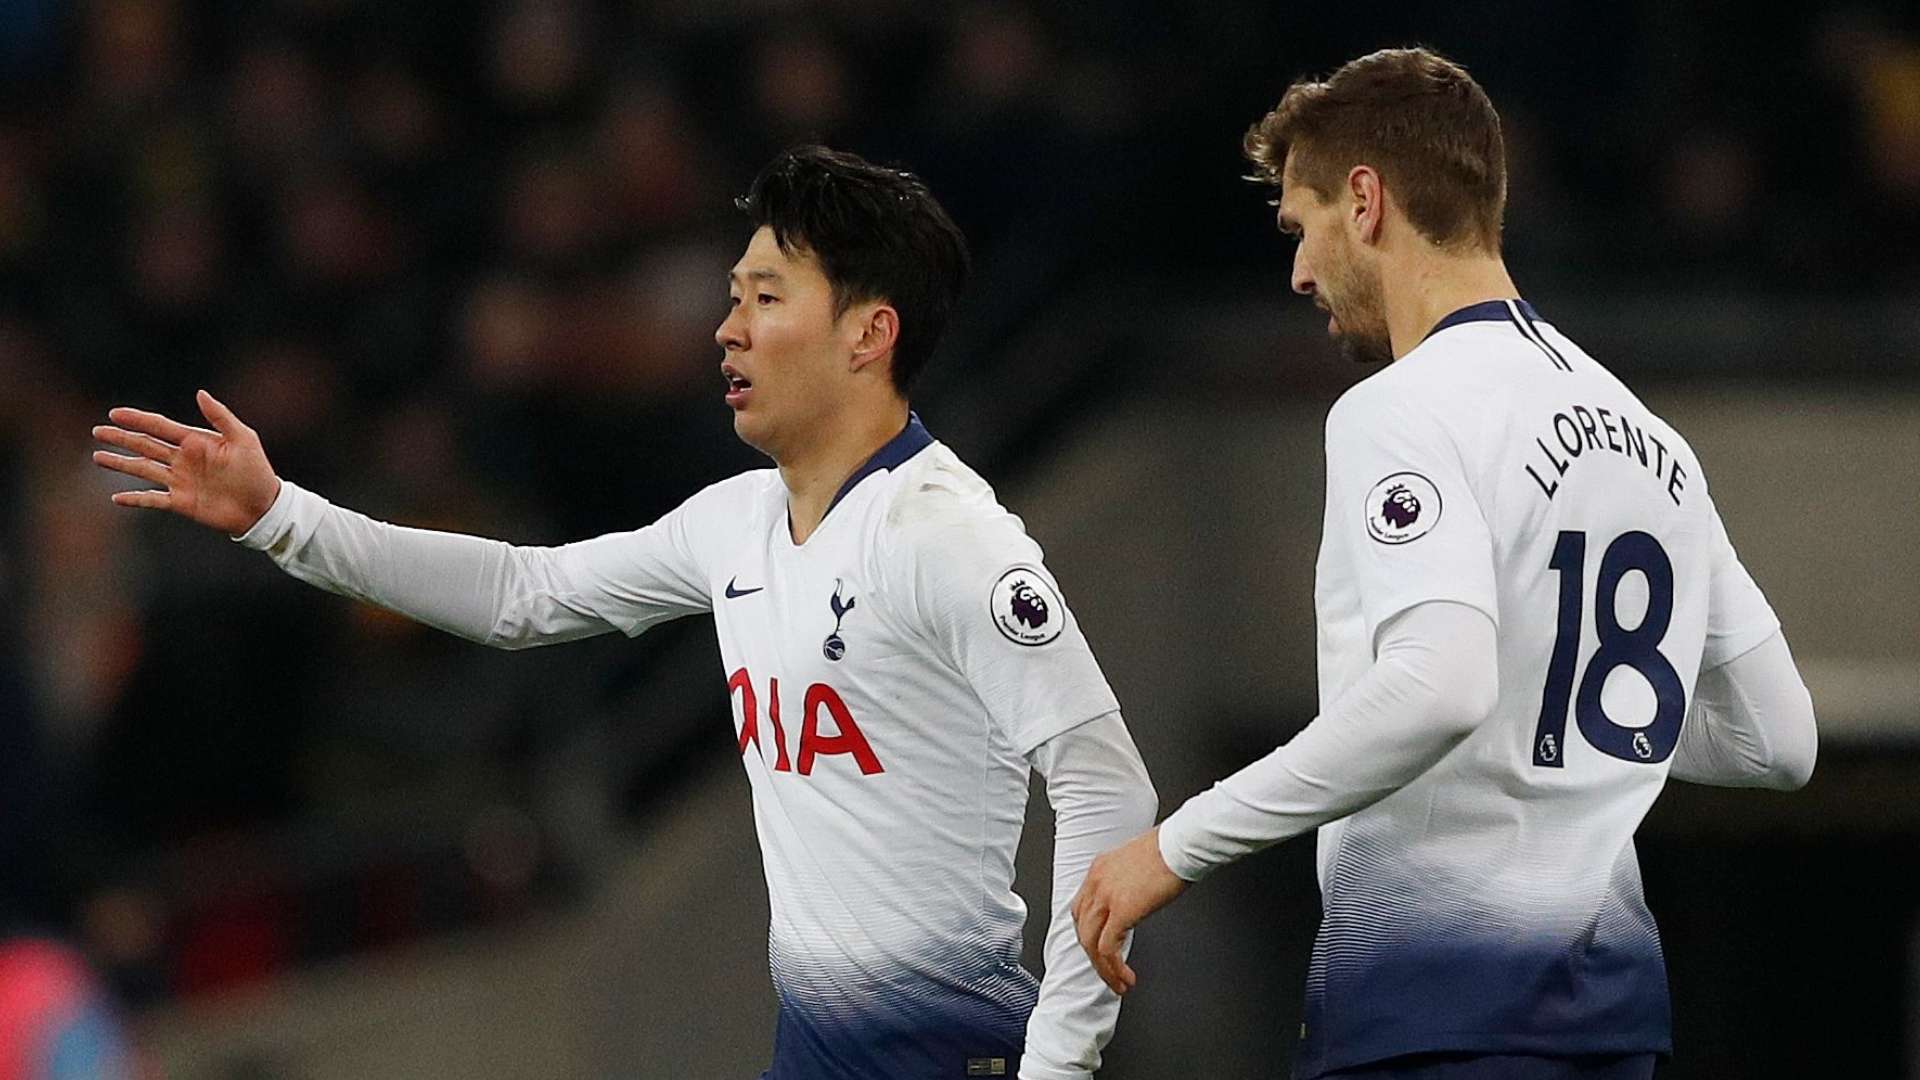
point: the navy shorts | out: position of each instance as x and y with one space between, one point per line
1504 1067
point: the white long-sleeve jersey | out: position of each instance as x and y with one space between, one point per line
892 680
1529 612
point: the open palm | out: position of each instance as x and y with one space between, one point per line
220 478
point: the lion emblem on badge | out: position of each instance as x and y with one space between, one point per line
1028 605
1025 608
1402 507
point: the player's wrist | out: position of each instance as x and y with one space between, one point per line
267 527
1172 839
262 502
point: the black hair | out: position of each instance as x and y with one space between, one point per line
878 233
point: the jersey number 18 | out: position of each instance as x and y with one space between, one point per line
1638 648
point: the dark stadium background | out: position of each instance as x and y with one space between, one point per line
460 265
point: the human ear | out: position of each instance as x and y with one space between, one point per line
879 330
1366 203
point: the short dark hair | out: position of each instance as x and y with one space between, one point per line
1414 115
879 235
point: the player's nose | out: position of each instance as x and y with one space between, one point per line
1302 276
731 334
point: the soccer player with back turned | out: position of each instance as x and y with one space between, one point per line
897 653
1529 617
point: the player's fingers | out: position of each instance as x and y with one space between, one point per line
154 424
144 445
1091 886
1087 920
1086 927
1110 970
1113 965
146 500
151 471
1103 965
220 416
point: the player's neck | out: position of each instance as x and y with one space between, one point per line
1434 286
813 475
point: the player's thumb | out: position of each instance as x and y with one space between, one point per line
221 417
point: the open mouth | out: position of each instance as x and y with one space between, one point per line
737 384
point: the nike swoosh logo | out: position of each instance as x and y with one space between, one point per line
735 594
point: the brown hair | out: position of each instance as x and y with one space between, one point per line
1416 117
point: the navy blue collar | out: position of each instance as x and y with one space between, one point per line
1489 311
912 439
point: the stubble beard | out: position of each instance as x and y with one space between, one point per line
1363 349
1363 337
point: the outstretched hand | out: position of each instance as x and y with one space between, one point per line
1122 887
220 478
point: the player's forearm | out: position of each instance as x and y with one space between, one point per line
1432 683
1751 723
482 590
1101 796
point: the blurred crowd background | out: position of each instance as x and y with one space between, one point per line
460 265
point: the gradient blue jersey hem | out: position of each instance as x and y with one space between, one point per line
879 1049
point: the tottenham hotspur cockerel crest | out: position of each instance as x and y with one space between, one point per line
1025 608
835 647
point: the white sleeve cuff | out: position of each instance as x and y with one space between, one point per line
1176 839
1033 1070
275 522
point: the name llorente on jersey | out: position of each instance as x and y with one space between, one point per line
1581 428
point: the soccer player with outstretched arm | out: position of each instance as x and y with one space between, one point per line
898 655
1529 618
